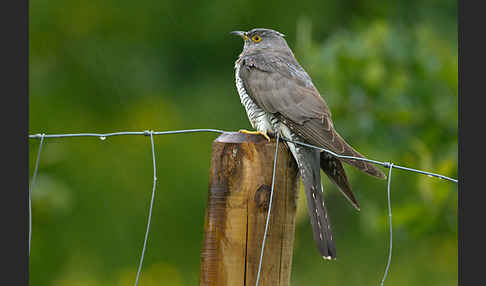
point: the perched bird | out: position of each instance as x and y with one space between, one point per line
279 96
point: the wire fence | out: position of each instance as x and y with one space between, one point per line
151 133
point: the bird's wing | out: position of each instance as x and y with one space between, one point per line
281 87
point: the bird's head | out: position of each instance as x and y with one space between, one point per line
261 40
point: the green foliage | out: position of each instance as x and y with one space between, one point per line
387 71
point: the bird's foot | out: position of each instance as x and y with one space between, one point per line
264 134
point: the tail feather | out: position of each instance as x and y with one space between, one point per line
309 166
333 168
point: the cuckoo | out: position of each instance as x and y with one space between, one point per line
279 96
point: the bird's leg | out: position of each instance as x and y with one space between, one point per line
264 134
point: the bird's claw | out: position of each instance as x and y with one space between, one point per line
264 134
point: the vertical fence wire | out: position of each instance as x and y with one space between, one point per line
390 226
150 210
32 182
269 210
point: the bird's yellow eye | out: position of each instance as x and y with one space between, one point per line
256 38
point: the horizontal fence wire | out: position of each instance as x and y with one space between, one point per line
147 133
103 136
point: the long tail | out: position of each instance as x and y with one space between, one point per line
308 161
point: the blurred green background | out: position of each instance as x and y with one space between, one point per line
387 69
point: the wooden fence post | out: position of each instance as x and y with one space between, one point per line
238 198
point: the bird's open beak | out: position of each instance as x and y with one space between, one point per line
241 34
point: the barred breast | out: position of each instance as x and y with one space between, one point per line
259 119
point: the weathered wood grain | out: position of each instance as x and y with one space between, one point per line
238 198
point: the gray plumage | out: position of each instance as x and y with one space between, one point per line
279 96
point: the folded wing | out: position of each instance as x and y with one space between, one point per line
283 88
